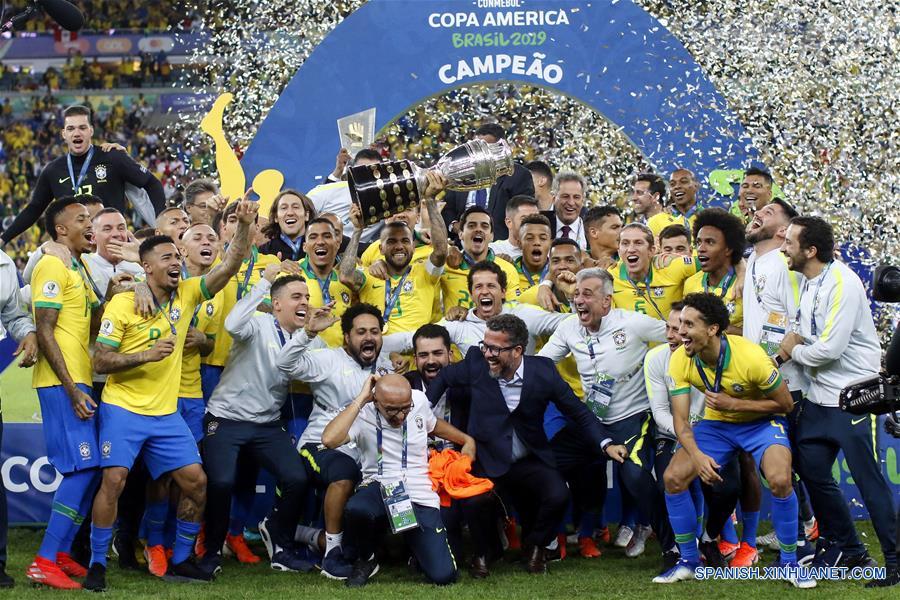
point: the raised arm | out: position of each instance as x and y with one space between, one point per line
218 277
349 275
556 347
297 359
240 322
440 245
336 433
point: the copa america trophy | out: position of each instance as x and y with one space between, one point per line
387 188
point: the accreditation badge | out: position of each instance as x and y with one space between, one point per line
600 395
773 332
398 506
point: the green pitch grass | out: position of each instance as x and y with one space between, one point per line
19 400
611 576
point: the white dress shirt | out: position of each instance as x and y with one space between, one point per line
576 233
512 395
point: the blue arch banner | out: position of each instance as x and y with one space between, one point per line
392 54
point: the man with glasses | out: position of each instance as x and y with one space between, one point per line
509 395
390 423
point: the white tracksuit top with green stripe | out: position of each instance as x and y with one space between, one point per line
845 346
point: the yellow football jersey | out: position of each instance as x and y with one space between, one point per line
372 253
414 301
455 283
527 279
699 282
239 285
70 291
152 388
207 318
340 293
660 221
748 374
653 296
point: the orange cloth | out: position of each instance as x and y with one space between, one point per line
451 476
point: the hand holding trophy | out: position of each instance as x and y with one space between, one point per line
386 188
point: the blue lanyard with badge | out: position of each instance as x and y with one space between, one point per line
530 276
391 298
397 503
716 387
325 286
600 393
724 284
290 394
88 281
815 306
76 183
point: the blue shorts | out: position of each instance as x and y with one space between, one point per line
71 442
719 440
192 411
166 441
209 379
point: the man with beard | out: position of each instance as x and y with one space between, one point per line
406 297
335 376
476 233
517 208
647 195
609 346
720 241
510 393
641 287
288 216
244 415
745 403
86 169
372 254
65 306
770 306
431 349
138 412
536 237
755 192
836 345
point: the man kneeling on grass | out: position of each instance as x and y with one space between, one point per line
390 424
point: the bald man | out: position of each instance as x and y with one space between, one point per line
390 424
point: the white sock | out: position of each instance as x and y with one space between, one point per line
553 545
809 523
307 535
332 540
706 537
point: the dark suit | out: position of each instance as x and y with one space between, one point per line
520 182
533 482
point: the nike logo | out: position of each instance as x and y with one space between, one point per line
439 530
376 287
628 441
859 420
63 180
140 327
780 437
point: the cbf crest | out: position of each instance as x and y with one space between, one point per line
345 297
84 449
659 292
100 172
175 314
420 423
619 338
408 286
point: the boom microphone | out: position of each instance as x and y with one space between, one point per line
66 14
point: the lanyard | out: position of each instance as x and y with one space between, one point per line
242 287
528 274
84 169
724 284
296 247
390 299
647 290
686 217
380 438
720 364
166 314
815 306
88 280
755 286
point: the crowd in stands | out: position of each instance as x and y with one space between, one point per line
104 15
142 70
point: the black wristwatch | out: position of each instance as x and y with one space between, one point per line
779 361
